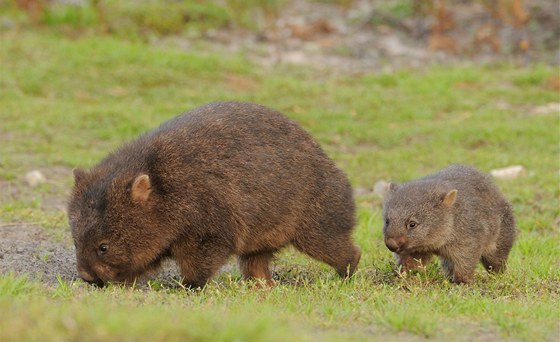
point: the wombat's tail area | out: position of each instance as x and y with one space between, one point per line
495 261
353 265
339 253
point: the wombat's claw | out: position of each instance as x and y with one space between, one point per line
265 284
96 282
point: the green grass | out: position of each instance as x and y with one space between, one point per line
67 102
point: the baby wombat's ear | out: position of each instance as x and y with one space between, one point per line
141 188
449 198
79 175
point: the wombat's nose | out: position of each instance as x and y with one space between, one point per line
92 279
392 245
395 244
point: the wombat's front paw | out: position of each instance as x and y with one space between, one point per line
409 262
263 284
461 279
193 285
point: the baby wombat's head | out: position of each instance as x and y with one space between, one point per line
108 217
418 216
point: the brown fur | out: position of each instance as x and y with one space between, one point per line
458 214
225 178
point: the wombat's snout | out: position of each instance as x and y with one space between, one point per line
92 279
395 244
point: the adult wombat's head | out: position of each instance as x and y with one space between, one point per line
418 216
112 227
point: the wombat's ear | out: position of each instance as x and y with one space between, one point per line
79 175
393 187
449 198
141 188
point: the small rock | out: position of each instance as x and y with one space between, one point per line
361 191
19 250
510 172
34 178
546 109
380 188
1 255
295 57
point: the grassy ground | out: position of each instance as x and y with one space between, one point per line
67 102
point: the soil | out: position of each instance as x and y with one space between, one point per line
27 249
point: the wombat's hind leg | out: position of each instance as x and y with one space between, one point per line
495 260
494 263
255 266
446 267
461 269
338 252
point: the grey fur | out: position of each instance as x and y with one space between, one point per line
460 215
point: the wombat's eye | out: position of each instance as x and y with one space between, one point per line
103 248
386 222
412 225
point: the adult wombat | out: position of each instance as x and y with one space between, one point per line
225 178
458 214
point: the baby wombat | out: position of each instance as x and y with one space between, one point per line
458 214
225 178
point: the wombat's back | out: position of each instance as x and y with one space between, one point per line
478 199
467 179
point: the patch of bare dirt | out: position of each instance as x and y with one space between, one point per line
26 249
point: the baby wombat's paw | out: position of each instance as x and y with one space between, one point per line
461 279
409 262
